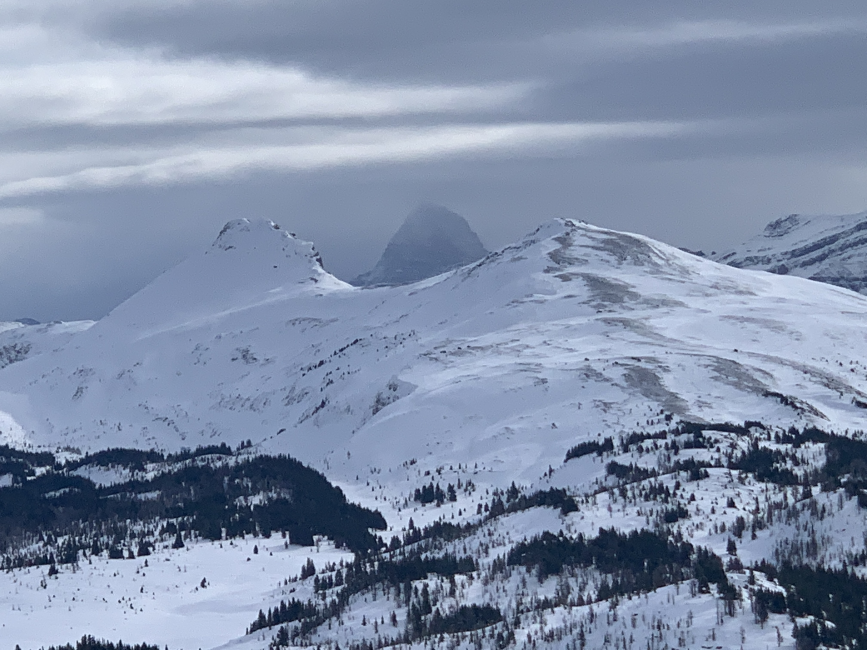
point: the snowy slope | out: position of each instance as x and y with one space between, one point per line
19 341
572 332
479 377
159 598
831 249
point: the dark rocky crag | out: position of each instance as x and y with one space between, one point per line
431 241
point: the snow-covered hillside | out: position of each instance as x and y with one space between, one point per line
19 341
479 379
573 332
831 249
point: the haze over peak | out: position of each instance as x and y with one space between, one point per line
432 240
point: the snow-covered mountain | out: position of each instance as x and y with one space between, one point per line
831 249
253 339
432 240
581 378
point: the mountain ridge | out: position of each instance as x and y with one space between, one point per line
249 261
292 354
829 249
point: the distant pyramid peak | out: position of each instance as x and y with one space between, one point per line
431 240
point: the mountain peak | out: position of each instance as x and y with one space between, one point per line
259 235
238 228
782 226
250 261
432 240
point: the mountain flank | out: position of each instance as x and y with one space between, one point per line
830 249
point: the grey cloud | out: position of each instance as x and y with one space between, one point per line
451 42
768 100
96 248
714 80
413 39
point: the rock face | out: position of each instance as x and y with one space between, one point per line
830 249
431 241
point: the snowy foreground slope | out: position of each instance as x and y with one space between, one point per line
477 379
831 249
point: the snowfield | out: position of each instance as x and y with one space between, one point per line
479 378
159 598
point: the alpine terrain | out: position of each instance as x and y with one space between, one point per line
824 248
587 439
432 240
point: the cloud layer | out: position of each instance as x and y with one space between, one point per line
133 130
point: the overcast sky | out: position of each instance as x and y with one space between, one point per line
131 131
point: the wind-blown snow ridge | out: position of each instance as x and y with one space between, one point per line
831 249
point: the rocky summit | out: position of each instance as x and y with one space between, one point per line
431 241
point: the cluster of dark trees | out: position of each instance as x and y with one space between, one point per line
836 596
696 469
642 560
674 514
285 612
433 493
465 618
723 427
207 499
638 438
629 473
766 602
768 465
590 447
136 459
23 464
634 562
89 643
551 498
845 464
